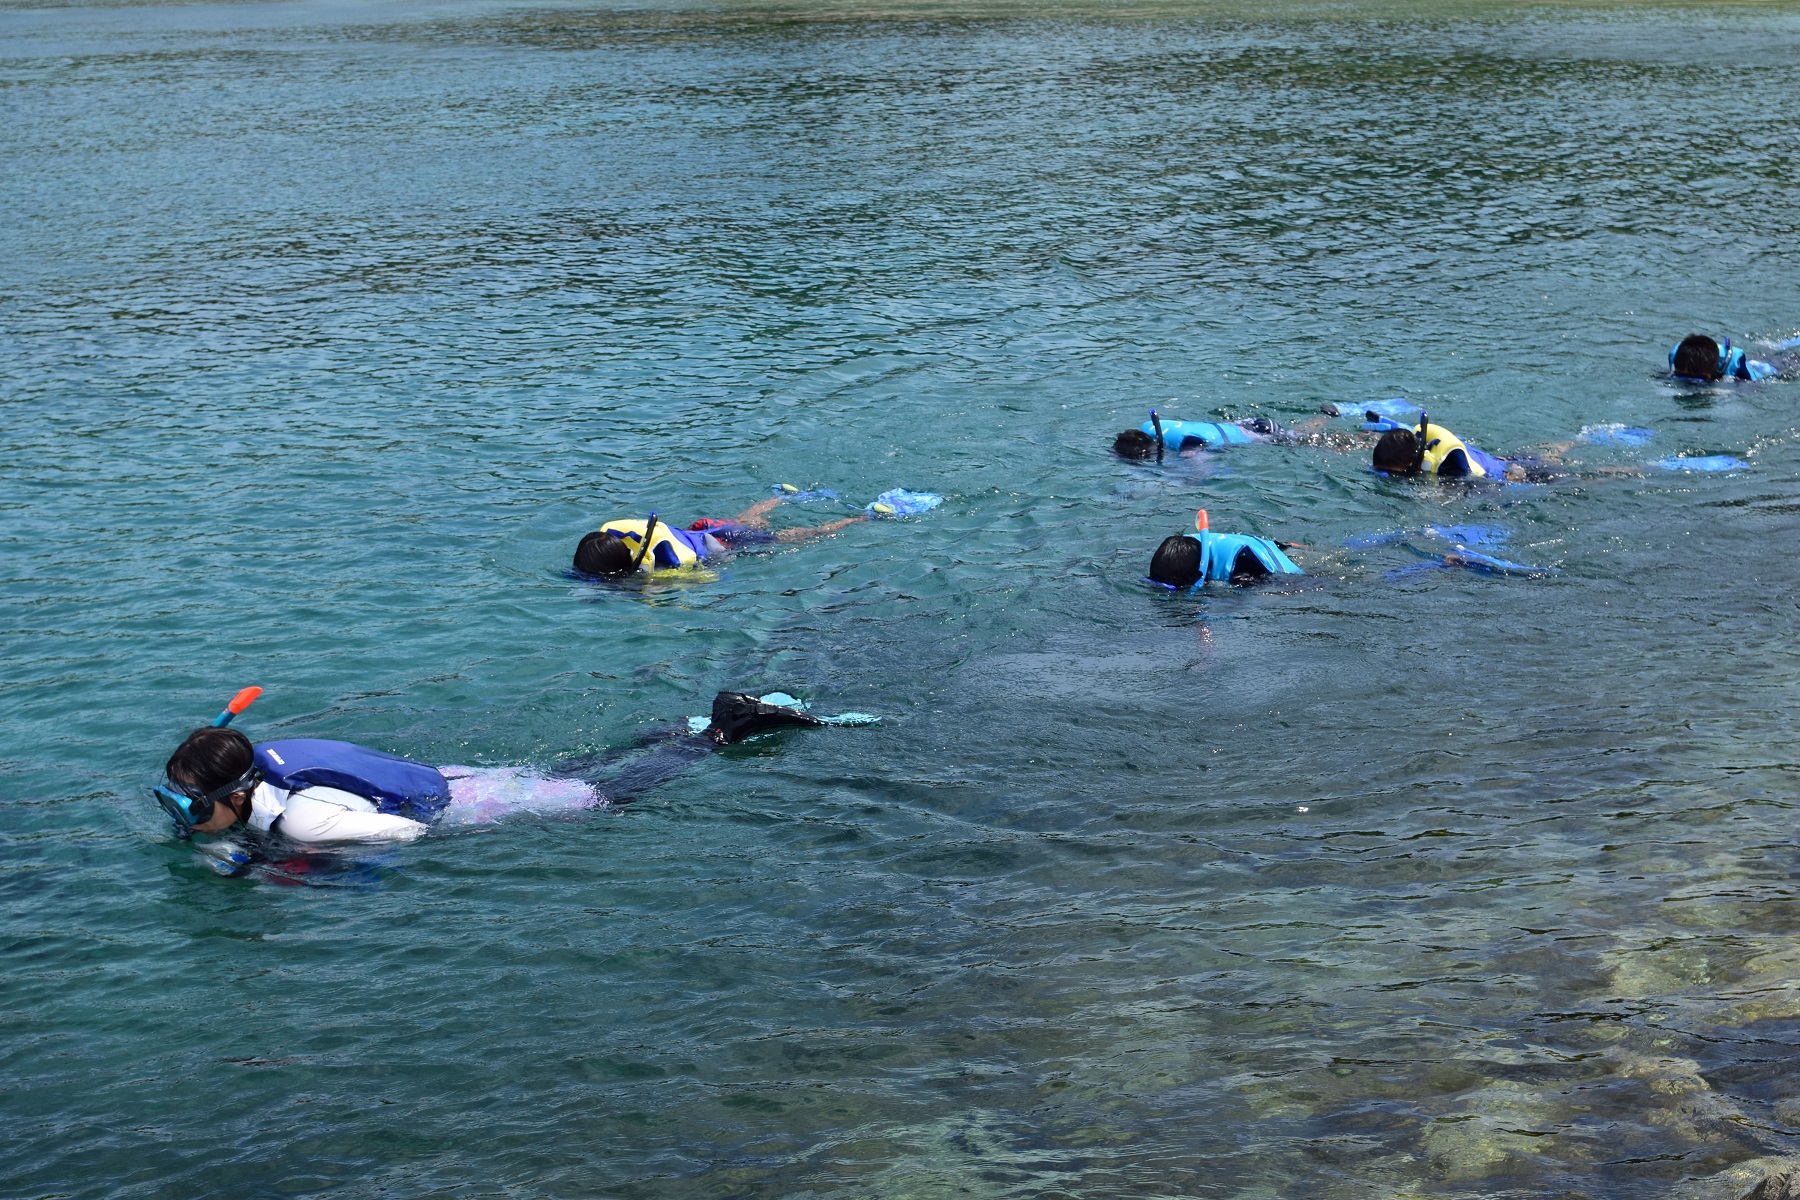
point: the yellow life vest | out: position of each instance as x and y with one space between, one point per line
632 533
1440 444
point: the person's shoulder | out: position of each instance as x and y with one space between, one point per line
267 802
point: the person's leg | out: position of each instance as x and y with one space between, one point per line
652 770
758 513
585 766
816 531
735 716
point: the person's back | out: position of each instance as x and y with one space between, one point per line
1182 561
1184 437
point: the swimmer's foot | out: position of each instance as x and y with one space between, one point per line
787 493
898 502
735 716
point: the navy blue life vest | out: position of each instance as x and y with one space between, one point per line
395 785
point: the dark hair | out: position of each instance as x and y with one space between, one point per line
1177 561
210 758
1397 452
600 553
1134 443
1698 357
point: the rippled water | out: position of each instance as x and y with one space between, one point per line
325 330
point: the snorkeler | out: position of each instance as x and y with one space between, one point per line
1184 562
1700 359
619 547
1184 437
315 791
1433 450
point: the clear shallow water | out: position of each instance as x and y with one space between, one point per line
324 333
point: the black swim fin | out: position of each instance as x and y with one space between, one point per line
735 716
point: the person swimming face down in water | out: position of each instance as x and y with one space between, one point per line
217 779
617 548
1702 360
1182 561
1447 456
1186 437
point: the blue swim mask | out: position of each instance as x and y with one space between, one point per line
189 808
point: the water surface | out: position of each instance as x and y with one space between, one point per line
326 330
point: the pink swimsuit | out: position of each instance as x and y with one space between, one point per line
483 795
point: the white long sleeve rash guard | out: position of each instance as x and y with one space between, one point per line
326 814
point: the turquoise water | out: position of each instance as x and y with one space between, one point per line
326 330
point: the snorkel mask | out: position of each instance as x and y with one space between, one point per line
188 808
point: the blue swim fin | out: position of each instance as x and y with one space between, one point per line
898 502
1702 462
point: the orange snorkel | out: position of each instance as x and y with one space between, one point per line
239 703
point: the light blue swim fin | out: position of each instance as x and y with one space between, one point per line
793 495
1615 434
898 502
1702 462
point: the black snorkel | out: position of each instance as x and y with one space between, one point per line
1419 450
649 529
1156 423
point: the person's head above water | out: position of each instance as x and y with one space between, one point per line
600 553
1134 443
215 769
1698 357
1177 561
1397 453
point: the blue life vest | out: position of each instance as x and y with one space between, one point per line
1219 553
395 785
1208 433
1733 364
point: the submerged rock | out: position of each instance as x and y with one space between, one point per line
1776 1177
1782 1186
